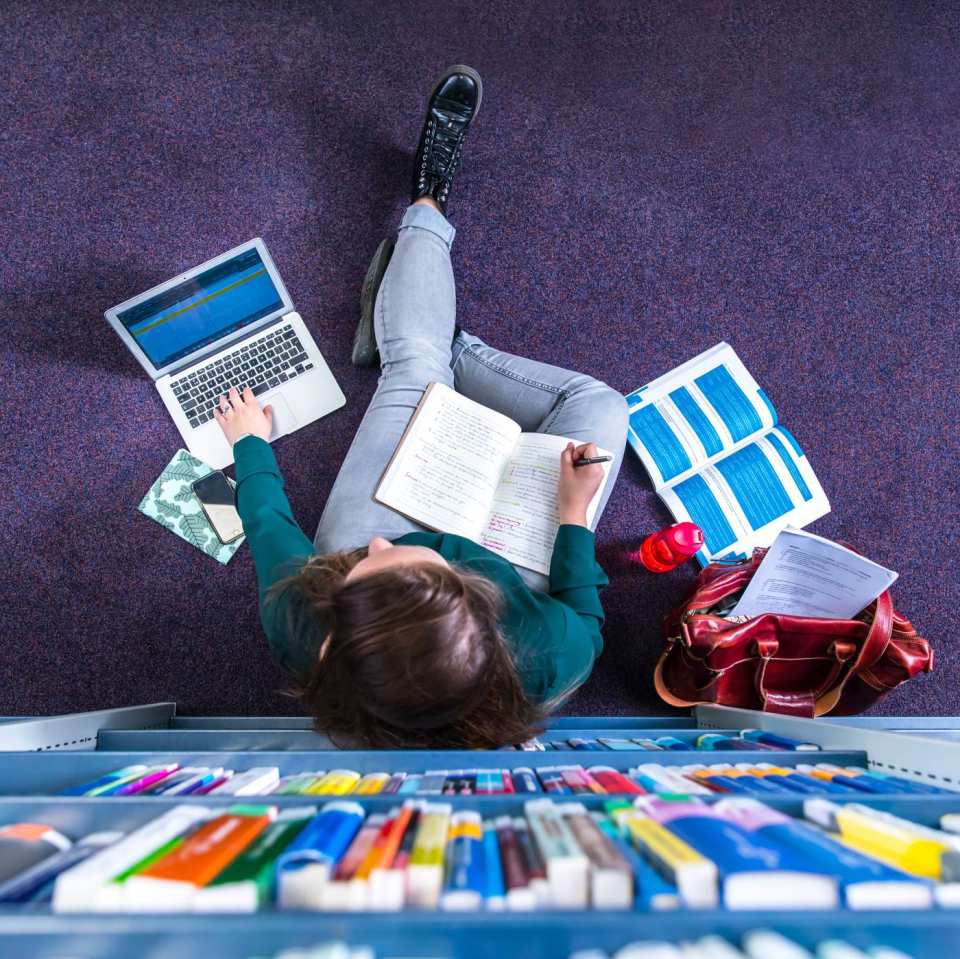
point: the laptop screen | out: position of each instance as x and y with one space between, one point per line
208 306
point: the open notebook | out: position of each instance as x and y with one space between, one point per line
462 468
712 444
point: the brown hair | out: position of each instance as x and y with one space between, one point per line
415 657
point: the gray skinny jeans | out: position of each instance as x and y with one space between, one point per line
414 321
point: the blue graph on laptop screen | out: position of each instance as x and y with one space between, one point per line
198 311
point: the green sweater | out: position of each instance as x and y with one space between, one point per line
554 638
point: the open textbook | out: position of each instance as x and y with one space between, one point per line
462 468
718 457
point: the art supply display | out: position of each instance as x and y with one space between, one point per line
718 457
756 778
649 851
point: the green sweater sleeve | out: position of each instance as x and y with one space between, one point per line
278 546
576 578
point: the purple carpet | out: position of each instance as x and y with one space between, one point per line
641 184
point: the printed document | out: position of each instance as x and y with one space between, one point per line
807 575
718 456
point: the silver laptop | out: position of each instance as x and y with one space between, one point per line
229 322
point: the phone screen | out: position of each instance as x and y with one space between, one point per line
215 493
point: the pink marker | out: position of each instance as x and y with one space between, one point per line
209 787
153 776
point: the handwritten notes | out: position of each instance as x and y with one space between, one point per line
449 464
465 469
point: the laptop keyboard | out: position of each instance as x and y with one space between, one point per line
260 364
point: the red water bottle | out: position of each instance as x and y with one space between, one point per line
666 549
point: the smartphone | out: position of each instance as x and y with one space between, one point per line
217 499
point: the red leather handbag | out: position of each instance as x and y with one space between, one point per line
783 664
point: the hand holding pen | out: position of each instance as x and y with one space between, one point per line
580 478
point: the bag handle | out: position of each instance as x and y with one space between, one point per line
874 646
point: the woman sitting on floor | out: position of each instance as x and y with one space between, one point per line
401 637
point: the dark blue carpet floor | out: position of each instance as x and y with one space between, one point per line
644 181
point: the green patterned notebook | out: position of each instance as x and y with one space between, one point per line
170 501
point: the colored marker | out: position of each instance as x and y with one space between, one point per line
395 783
896 841
799 782
494 891
88 887
905 785
152 775
35 884
431 783
754 872
579 781
97 786
425 872
649 745
251 782
343 892
248 882
171 882
610 877
508 786
524 781
713 741
388 881
305 866
371 784
533 862
296 784
612 781
652 893
553 781
775 739
674 744
693 875
866 882
463 882
588 745
673 779
410 785
564 861
520 897
337 782
196 785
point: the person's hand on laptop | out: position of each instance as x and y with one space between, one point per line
241 416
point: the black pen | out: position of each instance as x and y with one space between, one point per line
589 461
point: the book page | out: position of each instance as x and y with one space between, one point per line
448 464
707 407
742 500
807 575
522 525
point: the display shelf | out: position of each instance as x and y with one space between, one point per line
45 755
49 773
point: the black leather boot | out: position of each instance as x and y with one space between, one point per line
453 104
365 352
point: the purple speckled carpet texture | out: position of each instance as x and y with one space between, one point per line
643 181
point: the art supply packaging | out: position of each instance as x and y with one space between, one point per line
172 503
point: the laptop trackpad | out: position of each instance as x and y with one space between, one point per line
283 419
